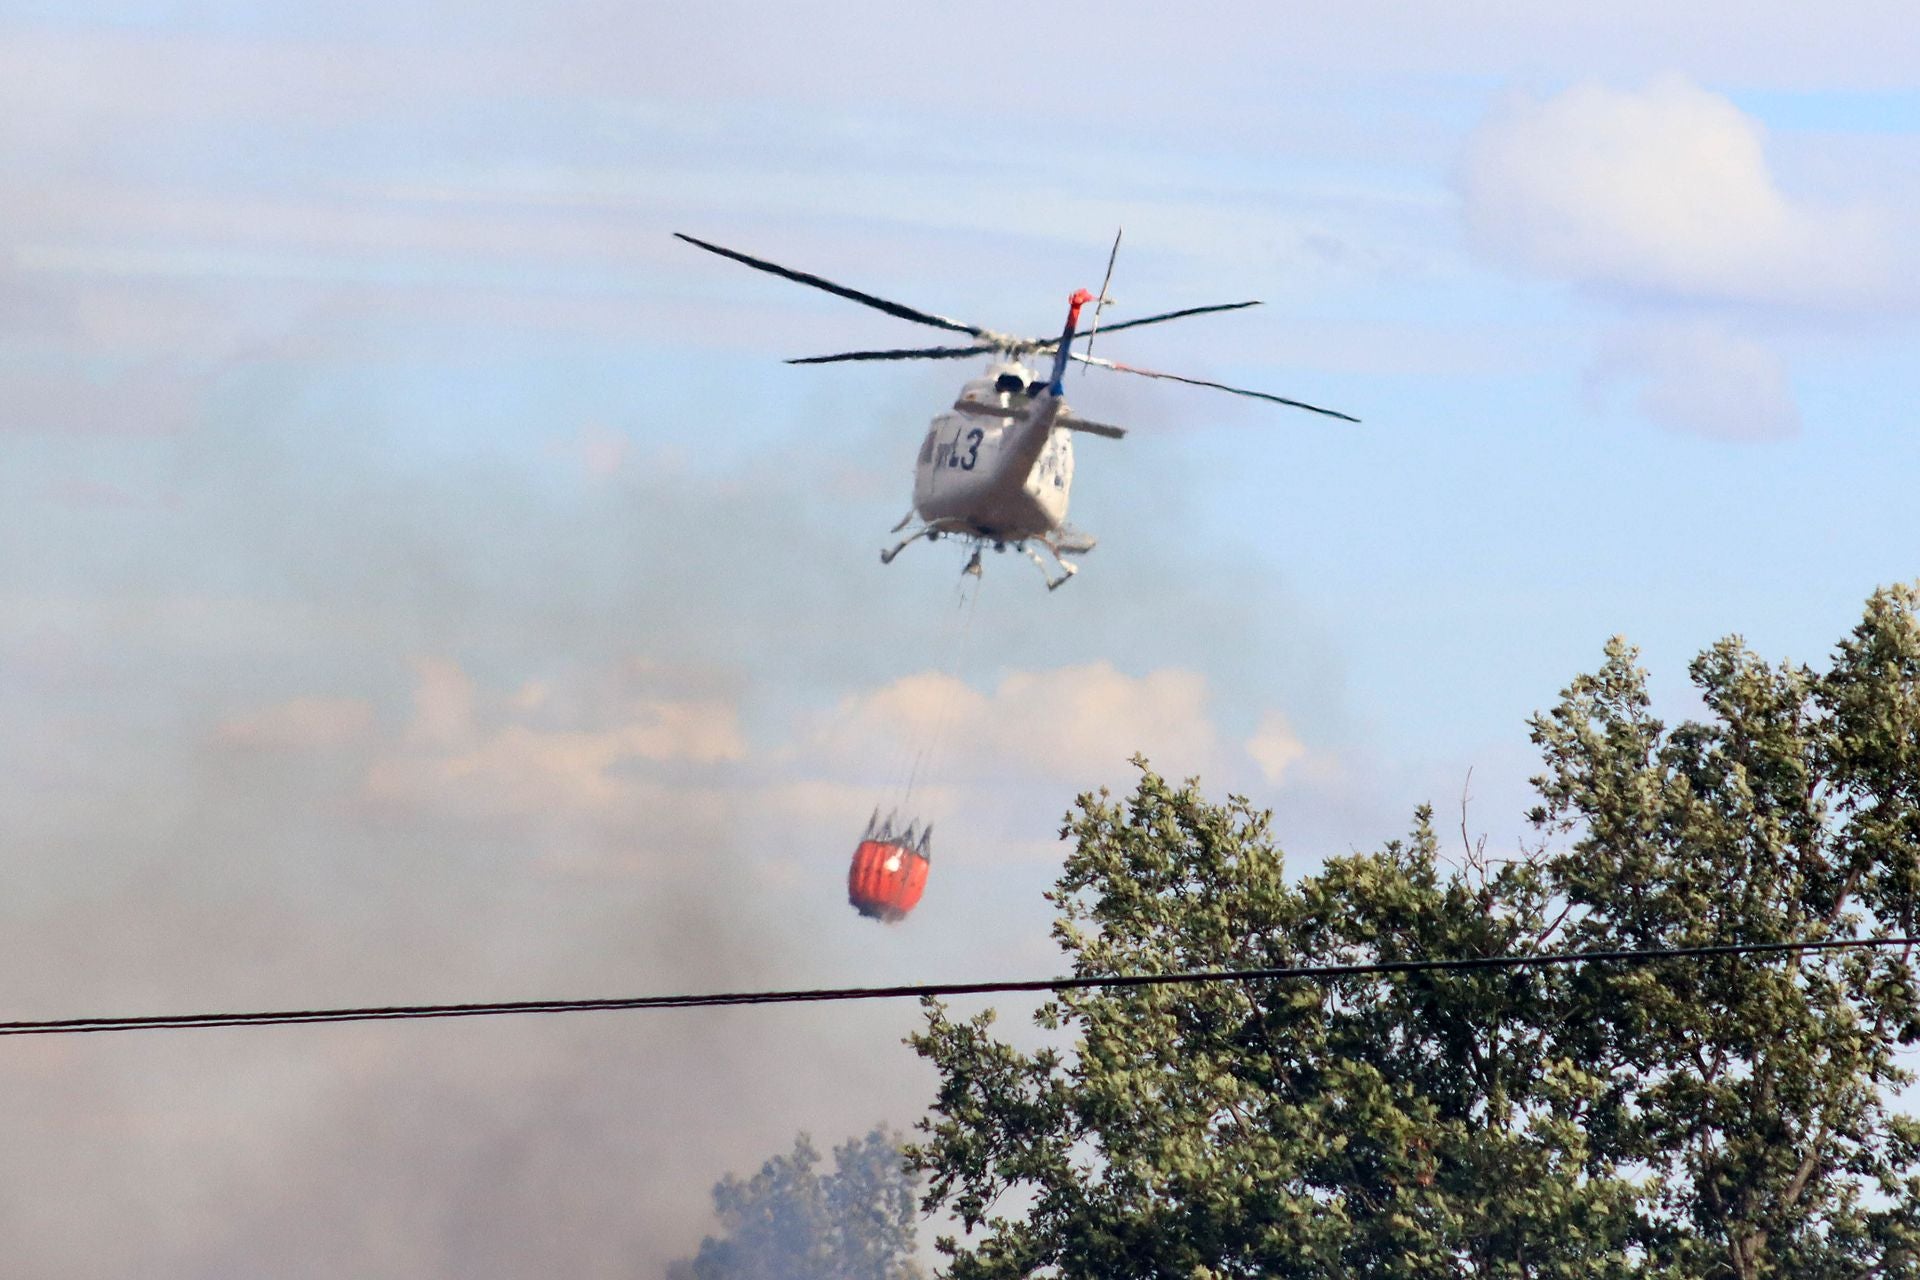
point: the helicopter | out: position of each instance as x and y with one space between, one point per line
996 469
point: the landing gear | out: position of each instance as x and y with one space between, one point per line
886 557
1066 570
931 532
1055 568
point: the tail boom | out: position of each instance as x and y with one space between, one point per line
1064 352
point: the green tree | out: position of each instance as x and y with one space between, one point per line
1729 1118
791 1222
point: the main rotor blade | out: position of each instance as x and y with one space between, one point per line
1165 316
917 353
1217 386
801 277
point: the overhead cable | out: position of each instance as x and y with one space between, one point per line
714 1000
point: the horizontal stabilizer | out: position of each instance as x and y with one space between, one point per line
1072 423
1068 541
978 410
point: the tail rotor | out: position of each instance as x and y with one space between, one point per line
1100 305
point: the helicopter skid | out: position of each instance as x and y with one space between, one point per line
1067 570
886 556
1060 543
929 531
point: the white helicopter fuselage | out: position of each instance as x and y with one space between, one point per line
996 466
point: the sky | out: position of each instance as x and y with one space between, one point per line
421 580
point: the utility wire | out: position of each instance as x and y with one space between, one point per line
1312 973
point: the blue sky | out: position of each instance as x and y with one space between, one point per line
423 579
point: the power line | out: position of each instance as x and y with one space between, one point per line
1320 973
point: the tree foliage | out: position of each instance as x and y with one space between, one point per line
1722 1118
791 1222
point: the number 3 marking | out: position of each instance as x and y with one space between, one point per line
974 437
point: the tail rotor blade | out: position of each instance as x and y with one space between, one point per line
1217 386
878 303
1100 306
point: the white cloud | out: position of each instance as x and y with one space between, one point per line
1664 189
488 756
299 723
442 703
149 399
598 449
1700 379
1274 747
1066 722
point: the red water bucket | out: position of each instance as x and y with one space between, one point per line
886 879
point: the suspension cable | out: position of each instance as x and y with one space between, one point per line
969 597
